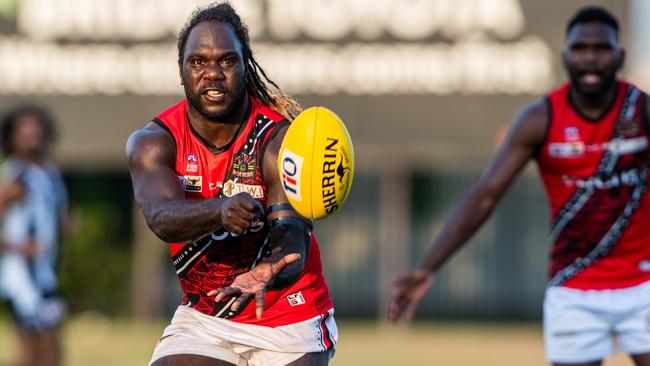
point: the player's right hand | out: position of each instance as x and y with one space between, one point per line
238 212
254 283
408 291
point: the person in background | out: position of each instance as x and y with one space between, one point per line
590 140
33 205
205 176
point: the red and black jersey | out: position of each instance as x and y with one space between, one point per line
214 260
596 176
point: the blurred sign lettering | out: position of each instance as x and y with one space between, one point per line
361 47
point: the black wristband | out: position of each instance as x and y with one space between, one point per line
293 221
284 206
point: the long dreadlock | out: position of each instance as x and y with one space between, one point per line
257 82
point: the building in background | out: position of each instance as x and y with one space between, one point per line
426 87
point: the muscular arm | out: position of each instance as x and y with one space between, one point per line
525 135
284 239
151 154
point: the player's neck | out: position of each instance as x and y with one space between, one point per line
593 106
219 133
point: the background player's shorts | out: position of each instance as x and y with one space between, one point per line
192 332
583 326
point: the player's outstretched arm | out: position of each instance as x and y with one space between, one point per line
525 136
289 238
151 154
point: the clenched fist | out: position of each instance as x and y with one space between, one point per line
238 212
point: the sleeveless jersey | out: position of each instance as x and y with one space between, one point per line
596 175
214 260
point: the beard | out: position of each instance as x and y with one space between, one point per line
608 79
225 115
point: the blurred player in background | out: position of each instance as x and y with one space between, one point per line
33 200
205 176
590 140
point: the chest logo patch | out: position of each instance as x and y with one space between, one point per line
243 166
572 134
192 165
296 299
192 183
231 188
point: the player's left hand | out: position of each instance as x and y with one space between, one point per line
254 283
408 291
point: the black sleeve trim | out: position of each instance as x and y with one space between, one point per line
270 135
162 124
549 120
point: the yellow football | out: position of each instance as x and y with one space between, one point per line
316 163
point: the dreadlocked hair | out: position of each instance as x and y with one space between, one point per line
258 84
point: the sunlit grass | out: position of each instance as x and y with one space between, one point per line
94 340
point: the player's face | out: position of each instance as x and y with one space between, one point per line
592 58
213 71
28 138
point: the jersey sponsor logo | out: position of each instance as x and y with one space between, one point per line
291 173
243 166
222 234
616 146
231 188
566 149
192 183
192 165
296 299
627 146
625 178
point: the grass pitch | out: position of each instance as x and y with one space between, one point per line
93 340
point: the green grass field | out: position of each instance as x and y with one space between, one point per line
96 341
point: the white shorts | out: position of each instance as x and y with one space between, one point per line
192 332
584 326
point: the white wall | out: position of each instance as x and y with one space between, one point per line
638 63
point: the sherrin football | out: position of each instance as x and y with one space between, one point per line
316 163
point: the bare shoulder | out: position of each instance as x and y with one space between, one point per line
273 147
531 123
151 143
270 167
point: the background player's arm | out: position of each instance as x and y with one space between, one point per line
525 136
151 156
10 192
